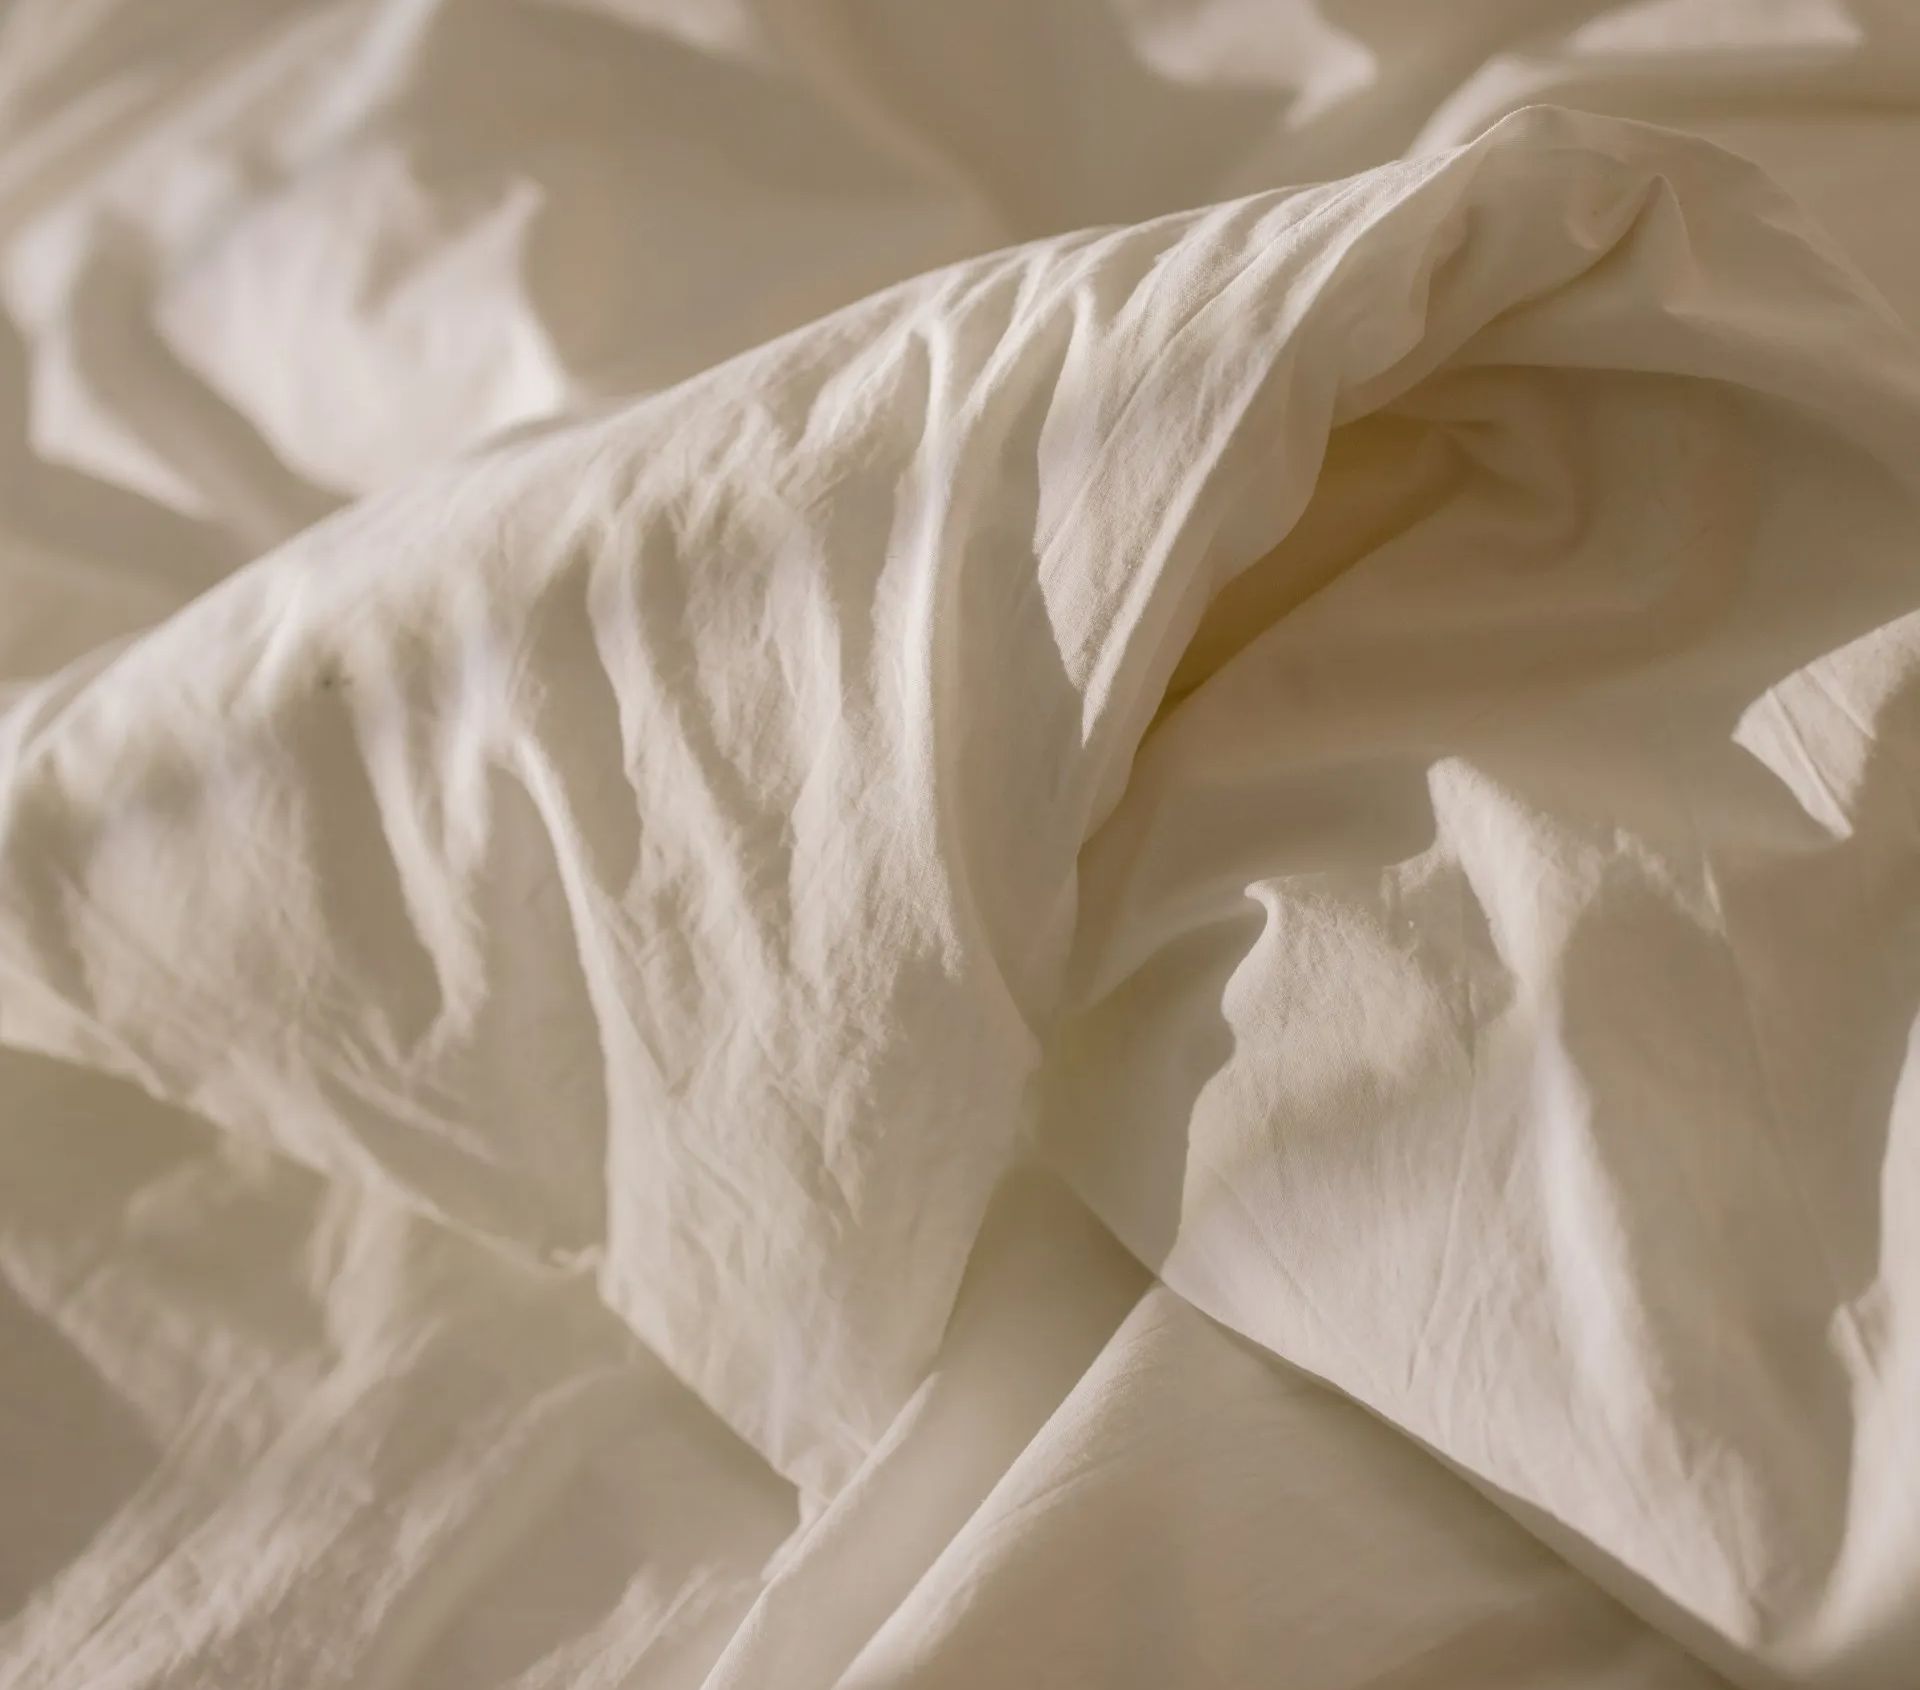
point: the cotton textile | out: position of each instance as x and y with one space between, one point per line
1189 945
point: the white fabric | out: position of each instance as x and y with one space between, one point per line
1367 728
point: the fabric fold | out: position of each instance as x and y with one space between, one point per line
797 746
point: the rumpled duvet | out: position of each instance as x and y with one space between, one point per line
749 941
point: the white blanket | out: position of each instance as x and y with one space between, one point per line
1180 955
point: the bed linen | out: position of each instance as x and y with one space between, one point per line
857 845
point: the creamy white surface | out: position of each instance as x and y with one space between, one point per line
1182 953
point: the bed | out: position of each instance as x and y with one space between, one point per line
853 844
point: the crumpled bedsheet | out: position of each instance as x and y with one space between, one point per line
1186 951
